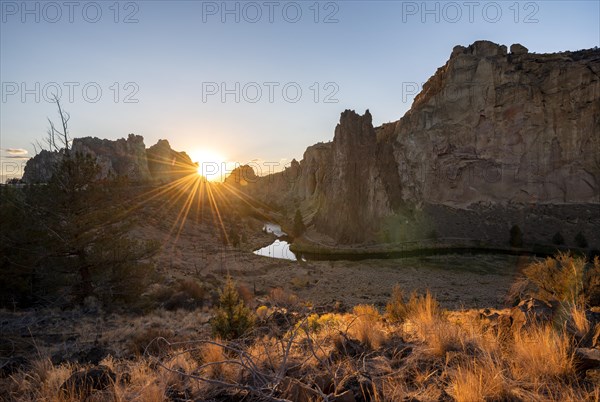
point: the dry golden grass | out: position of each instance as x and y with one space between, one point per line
443 337
44 380
431 355
149 340
482 380
281 298
366 327
145 384
396 309
266 353
541 354
579 321
431 327
423 312
215 362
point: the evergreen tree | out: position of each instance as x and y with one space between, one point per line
580 240
90 225
558 239
70 238
21 245
232 319
299 227
516 236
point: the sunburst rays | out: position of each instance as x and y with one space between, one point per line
187 197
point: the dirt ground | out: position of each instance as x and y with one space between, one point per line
457 281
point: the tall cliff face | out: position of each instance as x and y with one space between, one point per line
504 127
358 171
490 128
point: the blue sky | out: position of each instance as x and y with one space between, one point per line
162 66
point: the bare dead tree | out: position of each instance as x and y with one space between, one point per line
56 138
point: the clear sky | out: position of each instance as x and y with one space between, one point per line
244 80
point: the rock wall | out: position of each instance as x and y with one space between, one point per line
504 127
490 128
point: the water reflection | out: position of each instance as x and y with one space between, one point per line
273 228
277 249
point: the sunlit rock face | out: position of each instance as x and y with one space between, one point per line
504 127
490 129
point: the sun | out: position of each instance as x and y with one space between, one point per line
211 164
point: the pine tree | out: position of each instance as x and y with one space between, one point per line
299 227
516 236
558 239
580 240
70 238
232 319
90 224
20 247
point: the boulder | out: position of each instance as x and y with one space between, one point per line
587 359
345 346
531 311
83 383
346 396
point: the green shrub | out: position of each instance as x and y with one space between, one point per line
232 318
558 239
299 226
516 236
580 240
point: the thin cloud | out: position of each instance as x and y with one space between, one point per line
16 151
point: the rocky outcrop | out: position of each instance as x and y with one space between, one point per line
40 168
165 164
356 169
241 176
491 130
119 158
122 157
